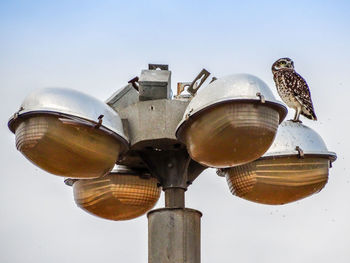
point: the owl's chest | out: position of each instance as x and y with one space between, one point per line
286 93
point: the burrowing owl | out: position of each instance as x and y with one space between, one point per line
293 89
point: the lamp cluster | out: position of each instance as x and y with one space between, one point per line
231 125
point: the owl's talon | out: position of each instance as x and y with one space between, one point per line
297 121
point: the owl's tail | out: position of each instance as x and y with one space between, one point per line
310 114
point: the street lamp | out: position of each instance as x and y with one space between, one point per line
68 133
296 166
123 194
160 140
239 109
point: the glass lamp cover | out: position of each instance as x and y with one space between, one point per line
278 180
71 150
231 134
116 197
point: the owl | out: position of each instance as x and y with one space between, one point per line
293 89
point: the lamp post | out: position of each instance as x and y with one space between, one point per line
160 141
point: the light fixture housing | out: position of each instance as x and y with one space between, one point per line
123 194
296 166
231 122
68 133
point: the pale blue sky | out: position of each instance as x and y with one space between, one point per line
97 46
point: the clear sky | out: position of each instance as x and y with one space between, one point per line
97 46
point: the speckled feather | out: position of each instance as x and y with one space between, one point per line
290 85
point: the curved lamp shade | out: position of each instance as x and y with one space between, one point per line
68 133
117 196
284 174
231 122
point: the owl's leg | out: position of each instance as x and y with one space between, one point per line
297 115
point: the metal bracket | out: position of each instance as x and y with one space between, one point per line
262 98
158 66
15 116
70 181
220 172
181 87
213 79
170 167
98 125
133 82
188 114
300 152
202 76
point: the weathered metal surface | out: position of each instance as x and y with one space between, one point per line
158 66
172 167
123 97
134 83
153 120
153 145
151 128
174 197
70 103
194 170
169 166
174 235
155 84
292 136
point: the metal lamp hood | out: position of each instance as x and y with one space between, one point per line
292 135
234 87
70 103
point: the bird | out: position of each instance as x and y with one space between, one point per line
293 89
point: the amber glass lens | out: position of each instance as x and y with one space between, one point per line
231 134
278 181
71 150
116 197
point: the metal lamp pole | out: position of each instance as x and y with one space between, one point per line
151 118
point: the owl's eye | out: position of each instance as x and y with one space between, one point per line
283 63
